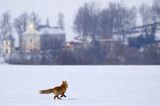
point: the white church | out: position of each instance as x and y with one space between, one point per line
31 38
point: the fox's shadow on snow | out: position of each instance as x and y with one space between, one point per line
70 99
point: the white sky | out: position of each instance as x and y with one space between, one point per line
51 8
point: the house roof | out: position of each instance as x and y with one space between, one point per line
9 37
51 30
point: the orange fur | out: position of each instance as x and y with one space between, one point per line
58 90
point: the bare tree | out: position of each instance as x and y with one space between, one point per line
20 25
117 18
105 24
86 21
78 25
150 16
128 20
145 12
156 10
5 25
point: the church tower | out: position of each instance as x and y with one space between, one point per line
31 39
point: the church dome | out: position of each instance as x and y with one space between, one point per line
30 29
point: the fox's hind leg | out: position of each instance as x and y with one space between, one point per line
56 97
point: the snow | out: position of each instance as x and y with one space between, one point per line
52 31
88 85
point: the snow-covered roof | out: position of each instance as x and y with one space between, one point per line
51 31
9 37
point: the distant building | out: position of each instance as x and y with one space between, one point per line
51 37
8 45
149 29
44 38
31 40
73 45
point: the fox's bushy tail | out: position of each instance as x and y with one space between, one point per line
48 91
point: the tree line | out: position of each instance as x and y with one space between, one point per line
116 18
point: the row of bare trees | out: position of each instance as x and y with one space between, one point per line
116 18
150 14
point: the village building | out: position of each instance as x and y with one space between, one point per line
52 38
8 45
31 40
149 29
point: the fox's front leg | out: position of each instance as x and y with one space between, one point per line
64 95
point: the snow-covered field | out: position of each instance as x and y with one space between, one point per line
88 85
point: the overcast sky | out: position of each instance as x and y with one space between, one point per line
51 8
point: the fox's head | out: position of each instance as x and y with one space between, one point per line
65 84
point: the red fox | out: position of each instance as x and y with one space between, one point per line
58 90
